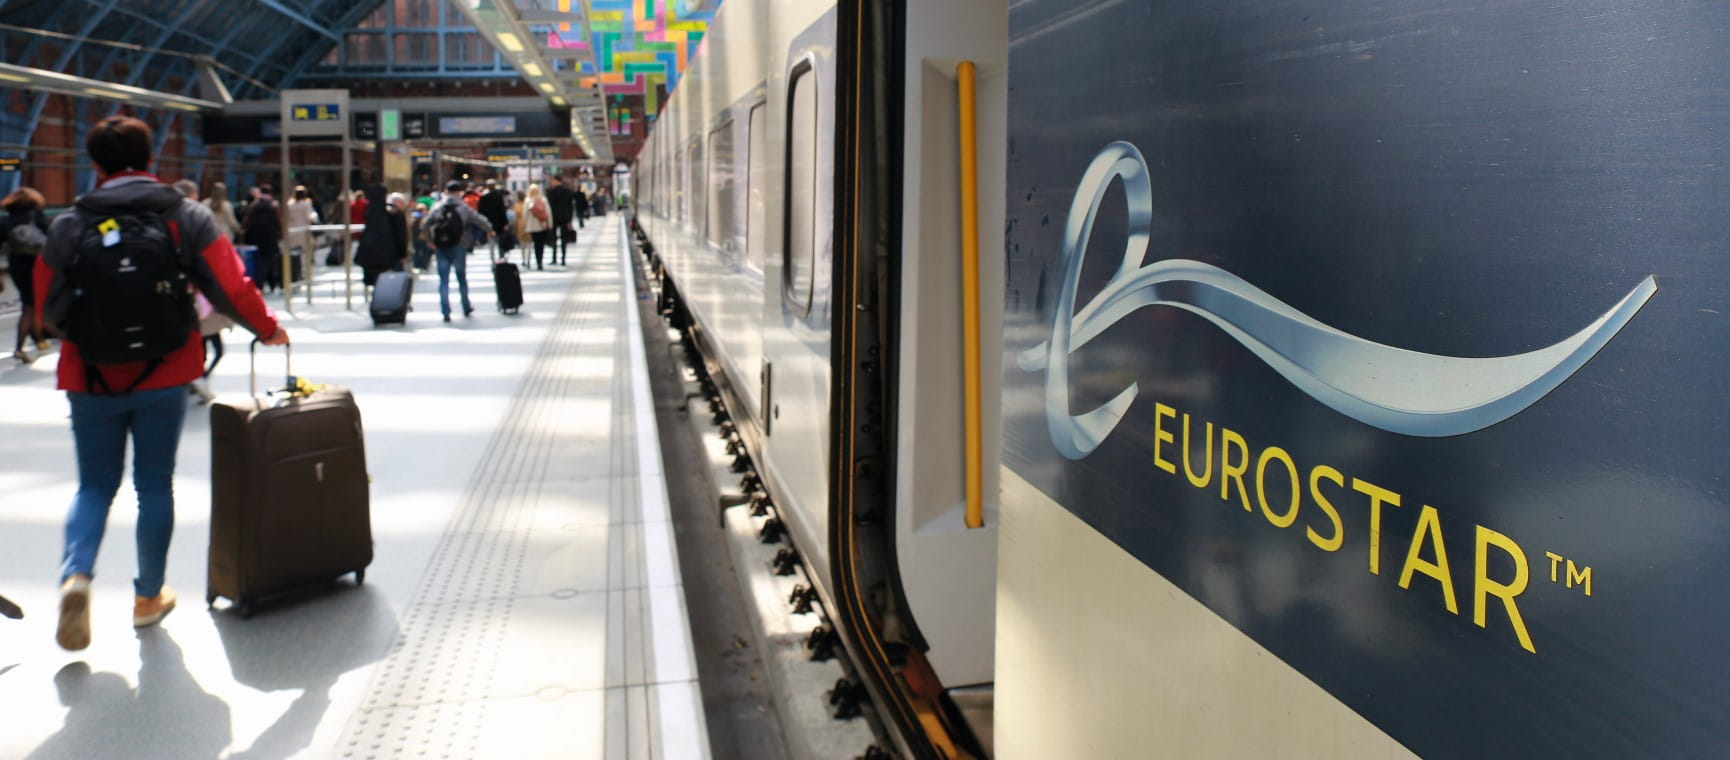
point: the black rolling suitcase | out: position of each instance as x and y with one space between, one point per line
390 298
289 502
508 281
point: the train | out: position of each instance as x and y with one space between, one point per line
1229 379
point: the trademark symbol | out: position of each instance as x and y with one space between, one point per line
1577 575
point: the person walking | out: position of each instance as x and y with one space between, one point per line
492 206
301 217
581 199
449 226
223 211
129 253
560 200
384 244
264 233
401 233
537 221
24 231
422 249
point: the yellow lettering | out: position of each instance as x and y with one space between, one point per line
1160 412
1483 587
1555 562
1233 473
1320 473
1378 496
1430 525
1275 453
1206 456
1580 576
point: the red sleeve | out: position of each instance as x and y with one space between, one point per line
230 275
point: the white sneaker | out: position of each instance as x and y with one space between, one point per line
202 388
73 633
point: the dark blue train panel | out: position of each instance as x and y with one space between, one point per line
1395 334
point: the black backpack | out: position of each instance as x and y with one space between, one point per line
131 294
446 226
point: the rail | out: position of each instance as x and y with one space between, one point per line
975 516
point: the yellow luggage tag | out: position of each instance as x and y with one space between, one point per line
110 230
300 386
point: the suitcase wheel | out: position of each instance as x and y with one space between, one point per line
210 600
360 576
245 608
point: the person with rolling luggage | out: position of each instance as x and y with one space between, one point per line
116 279
449 226
393 288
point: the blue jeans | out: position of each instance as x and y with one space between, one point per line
100 425
453 256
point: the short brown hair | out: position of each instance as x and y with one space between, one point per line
119 143
23 199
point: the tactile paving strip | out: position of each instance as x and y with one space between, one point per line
431 696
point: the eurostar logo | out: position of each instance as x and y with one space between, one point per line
1388 387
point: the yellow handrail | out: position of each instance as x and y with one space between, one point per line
970 295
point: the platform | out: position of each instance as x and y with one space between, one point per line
525 599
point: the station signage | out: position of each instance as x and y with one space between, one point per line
316 112
390 124
365 126
413 126
506 154
477 125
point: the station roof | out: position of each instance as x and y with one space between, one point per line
612 61
257 46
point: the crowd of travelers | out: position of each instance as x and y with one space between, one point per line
140 277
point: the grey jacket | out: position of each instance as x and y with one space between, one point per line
477 225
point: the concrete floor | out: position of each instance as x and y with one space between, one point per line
524 600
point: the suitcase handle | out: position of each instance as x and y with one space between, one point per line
288 351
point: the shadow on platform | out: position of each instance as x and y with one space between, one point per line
304 643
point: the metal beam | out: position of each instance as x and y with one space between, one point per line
300 18
355 13
153 21
179 22
41 100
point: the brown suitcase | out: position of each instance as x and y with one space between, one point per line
288 494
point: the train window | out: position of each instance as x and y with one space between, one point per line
800 250
681 189
698 182
757 210
719 226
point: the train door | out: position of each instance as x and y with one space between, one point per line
796 286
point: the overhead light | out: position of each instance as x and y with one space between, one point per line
101 93
558 101
547 87
532 69
510 42
181 106
13 77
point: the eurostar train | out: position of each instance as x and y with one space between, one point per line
1335 379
